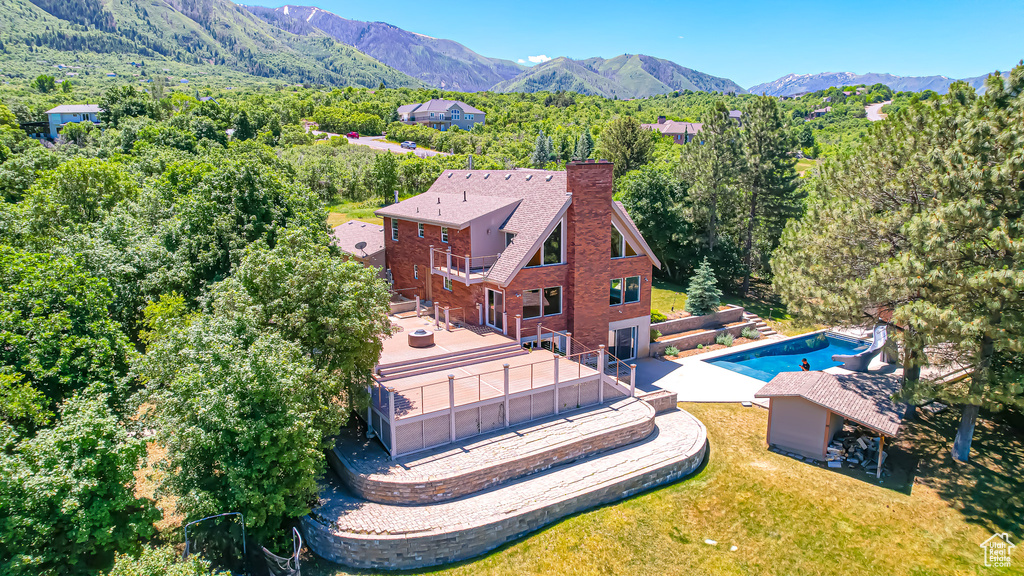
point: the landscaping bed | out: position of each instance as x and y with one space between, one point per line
706 349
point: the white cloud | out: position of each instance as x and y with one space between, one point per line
680 37
538 59
521 61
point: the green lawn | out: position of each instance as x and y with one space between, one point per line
760 301
788 517
803 165
345 211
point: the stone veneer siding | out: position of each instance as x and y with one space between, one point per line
409 552
449 487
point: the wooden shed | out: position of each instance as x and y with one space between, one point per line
806 409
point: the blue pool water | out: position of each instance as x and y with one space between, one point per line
766 362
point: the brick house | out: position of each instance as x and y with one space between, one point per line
551 248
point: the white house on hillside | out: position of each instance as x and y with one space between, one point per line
68 113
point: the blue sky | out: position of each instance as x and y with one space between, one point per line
748 41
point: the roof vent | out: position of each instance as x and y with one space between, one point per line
449 174
463 195
468 175
507 176
438 211
487 175
548 179
528 177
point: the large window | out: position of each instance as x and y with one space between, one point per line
624 290
551 251
419 229
444 234
447 282
394 229
620 248
455 114
538 303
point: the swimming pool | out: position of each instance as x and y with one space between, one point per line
766 362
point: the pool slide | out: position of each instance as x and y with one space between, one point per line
859 362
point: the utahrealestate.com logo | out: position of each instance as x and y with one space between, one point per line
998 550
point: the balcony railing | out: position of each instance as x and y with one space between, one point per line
466 269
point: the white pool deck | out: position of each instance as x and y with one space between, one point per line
695 380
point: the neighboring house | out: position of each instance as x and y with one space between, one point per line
68 113
362 242
441 114
680 132
737 116
821 112
519 249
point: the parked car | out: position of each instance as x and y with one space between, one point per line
409 144
353 134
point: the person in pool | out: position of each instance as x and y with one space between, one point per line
805 366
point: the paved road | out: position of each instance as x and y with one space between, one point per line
379 143
875 111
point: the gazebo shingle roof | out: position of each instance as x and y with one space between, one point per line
862 398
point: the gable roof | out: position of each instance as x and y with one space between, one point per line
863 398
438 105
75 109
673 128
350 234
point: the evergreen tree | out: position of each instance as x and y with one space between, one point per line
713 169
584 145
541 153
768 179
703 295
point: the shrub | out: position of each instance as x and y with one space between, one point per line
655 334
703 295
163 561
657 316
750 334
725 339
671 351
700 346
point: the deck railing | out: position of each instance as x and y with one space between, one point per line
462 268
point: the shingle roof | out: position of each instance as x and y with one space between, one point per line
447 207
75 109
863 398
437 105
672 127
349 234
735 114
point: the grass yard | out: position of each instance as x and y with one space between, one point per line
788 517
803 165
345 211
760 300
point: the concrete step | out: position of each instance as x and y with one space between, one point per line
450 363
483 462
349 530
408 366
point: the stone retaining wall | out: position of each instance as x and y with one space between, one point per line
404 306
399 492
405 552
661 401
691 341
720 318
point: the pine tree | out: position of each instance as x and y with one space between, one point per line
584 145
768 178
541 153
703 295
627 144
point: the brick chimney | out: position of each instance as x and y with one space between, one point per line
661 119
588 241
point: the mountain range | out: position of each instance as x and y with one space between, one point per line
799 83
304 44
450 65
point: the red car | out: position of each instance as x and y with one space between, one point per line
353 134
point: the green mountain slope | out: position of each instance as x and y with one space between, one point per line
625 76
436 61
210 36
